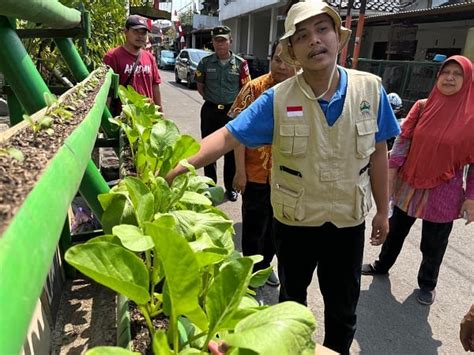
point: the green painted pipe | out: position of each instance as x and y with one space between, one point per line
15 111
72 58
80 72
28 245
91 186
93 182
19 70
65 242
47 12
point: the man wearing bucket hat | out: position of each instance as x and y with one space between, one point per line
219 77
134 65
328 127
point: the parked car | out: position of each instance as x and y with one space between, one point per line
186 64
166 59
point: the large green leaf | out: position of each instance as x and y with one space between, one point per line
194 198
112 266
260 277
184 147
285 328
110 350
182 278
193 224
226 292
119 210
160 344
206 252
133 238
162 195
142 199
164 133
105 238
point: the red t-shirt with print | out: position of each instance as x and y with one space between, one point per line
146 73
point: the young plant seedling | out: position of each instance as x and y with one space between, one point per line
44 123
13 153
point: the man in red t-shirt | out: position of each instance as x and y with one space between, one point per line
144 76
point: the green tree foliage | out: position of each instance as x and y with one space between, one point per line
107 22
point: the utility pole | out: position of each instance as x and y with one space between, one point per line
343 56
359 31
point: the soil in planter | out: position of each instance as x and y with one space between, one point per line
18 178
141 340
86 318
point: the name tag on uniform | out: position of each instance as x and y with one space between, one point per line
211 70
294 111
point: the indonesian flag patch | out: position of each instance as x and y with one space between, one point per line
294 111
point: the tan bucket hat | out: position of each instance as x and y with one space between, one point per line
302 11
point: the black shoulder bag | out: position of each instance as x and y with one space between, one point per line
115 103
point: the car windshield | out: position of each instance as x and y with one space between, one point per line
197 55
168 54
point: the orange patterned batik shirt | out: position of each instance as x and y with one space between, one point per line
258 161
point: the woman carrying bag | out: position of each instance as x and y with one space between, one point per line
427 171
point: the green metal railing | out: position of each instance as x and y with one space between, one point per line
28 244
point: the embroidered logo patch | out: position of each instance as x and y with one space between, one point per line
294 111
364 107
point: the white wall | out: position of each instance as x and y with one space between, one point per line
232 8
441 35
430 35
261 34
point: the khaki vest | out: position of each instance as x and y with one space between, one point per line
320 173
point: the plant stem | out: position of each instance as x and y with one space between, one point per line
174 329
197 336
149 323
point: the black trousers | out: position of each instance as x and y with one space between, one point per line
257 223
337 254
434 241
212 119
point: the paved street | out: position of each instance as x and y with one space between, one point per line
390 320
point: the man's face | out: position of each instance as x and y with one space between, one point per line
136 37
279 69
315 43
221 46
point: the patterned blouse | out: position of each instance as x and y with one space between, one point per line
258 161
440 204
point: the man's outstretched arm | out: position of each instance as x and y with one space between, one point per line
212 148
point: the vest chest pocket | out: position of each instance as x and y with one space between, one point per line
366 130
294 140
287 203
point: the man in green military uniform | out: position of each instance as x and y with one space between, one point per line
219 78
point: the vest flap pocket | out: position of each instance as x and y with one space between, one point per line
287 130
366 127
366 130
287 203
300 145
287 135
302 130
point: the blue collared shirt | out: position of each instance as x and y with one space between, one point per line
253 127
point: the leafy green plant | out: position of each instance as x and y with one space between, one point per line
169 250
